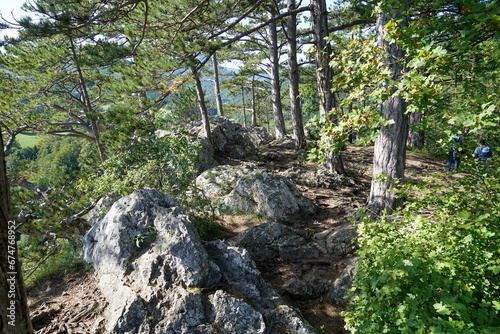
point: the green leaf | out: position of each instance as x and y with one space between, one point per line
442 309
495 269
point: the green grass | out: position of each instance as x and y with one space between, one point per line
28 140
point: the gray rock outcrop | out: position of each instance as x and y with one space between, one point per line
101 208
242 274
340 289
318 272
258 136
284 142
221 180
338 241
230 138
320 178
274 240
157 277
272 196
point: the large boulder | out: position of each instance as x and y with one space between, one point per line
221 180
274 240
258 136
338 241
230 138
157 277
101 208
272 196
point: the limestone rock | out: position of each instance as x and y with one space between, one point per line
258 135
153 269
272 240
233 315
320 178
135 276
285 143
242 274
338 241
272 196
288 318
297 289
101 208
343 283
230 138
302 289
221 180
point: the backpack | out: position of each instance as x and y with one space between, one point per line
453 149
486 153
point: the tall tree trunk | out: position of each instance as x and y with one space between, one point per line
293 76
218 99
203 108
279 121
14 314
416 135
324 74
350 128
267 121
254 109
390 146
97 138
244 110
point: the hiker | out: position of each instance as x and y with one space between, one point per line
454 152
482 154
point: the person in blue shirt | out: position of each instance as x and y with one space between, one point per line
454 152
482 153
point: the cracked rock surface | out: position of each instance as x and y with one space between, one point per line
155 272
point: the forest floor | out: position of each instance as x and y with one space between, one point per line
74 304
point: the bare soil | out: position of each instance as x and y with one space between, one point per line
74 304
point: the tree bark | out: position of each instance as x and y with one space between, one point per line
324 74
244 110
14 314
293 76
254 109
390 146
279 121
203 107
416 136
218 99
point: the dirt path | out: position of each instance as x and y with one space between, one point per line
335 207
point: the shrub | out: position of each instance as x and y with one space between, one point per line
167 164
436 267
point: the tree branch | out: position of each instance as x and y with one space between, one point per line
244 15
340 27
23 183
262 25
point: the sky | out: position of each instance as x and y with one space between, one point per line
6 7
